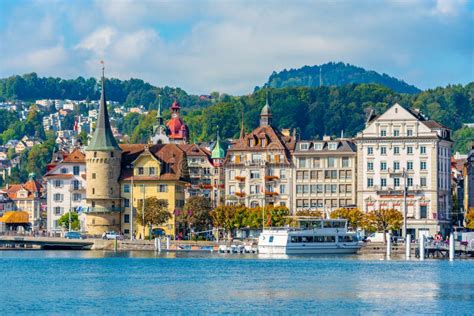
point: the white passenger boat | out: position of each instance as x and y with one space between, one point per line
313 236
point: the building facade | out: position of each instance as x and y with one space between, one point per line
324 175
399 149
66 187
468 176
258 166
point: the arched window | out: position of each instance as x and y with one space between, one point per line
254 204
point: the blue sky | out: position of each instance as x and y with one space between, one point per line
232 46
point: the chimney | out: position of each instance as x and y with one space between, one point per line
326 138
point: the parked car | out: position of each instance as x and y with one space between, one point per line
112 236
157 232
73 235
377 237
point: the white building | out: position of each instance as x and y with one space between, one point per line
398 148
66 187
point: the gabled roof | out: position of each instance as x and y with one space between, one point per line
32 186
76 156
171 156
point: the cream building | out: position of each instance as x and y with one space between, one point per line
66 187
402 148
324 174
258 166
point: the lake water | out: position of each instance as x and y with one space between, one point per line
94 282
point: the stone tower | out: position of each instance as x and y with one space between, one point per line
103 159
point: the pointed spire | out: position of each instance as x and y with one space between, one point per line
218 151
103 138
158 114
266 113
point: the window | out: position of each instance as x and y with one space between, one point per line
331 162
313 175
332 146
306 175
409 132
345 162
423 150
254 174
423 165
126 188
396 165
302 162
383 165
58 197
370 150
423 211
396 150
299 175
319 188
333 188
151 171
370 182
410 182
75 170
77 197
58 183
410 150
282 174
396 132
93 192
57 210
316 163
126 218
383 150
112 154
383 182
95 154
370 166
162 187
306 189
76 185
423 181
63 170
318 146
299 188
396 182
383 133
93 176
282 189
409 165
140 171
231 189
126 203
304 146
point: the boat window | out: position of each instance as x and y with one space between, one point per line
307 239
340 238
270 239
327 224
318 238
329 238
294 239
348 239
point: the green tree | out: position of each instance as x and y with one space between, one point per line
196 213
469 219
463 139
355 218
223 216
156 213
383 220
63 221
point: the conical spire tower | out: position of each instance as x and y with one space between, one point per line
103 139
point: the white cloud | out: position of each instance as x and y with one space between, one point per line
231 46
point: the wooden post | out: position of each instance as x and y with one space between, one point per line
422 247
167 243
389 245
408 247
158 244
451 247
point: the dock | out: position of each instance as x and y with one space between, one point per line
12 242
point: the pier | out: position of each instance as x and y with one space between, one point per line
12 242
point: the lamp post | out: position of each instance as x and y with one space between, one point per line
143 212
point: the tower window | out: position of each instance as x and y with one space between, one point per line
95 154
93 190
93 176
112 154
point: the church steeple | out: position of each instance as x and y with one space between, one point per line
159 118
103 139
266 114
218 152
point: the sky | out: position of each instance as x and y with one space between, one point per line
233 46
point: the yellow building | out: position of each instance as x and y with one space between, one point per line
158 171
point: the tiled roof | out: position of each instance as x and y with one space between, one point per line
32 186
343 145
172 157
76 156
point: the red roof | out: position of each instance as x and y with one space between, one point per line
32 186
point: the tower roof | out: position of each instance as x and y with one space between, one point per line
103 139
218 152
266 110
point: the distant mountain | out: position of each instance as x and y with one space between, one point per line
335 74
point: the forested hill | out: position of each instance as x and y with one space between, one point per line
335 74
133 92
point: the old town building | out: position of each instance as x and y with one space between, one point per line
258 166
324 175
399 149
468 175
66 187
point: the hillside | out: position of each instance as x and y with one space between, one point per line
335 74
133 92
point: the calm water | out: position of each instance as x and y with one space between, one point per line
92 282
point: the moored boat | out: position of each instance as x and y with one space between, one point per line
313 236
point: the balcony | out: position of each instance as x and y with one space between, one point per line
240 178
78 189
103 209
392 171
240 194
271 178
271 193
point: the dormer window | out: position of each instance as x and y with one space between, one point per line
318 146
140 170
332 146
383 133
304 146
63 170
